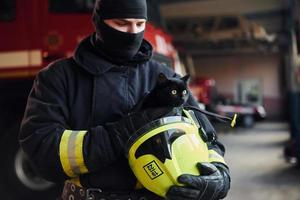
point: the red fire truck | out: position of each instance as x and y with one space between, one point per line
33 34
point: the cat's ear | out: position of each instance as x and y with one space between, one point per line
185 78
162 78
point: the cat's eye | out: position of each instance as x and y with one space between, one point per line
174 92
184 92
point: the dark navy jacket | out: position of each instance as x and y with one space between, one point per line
83 93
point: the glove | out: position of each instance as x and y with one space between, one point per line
212 184
122 130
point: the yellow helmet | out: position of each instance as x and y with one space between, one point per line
164 149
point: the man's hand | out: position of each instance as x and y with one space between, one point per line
123 129
212 184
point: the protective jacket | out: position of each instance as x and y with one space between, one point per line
70 101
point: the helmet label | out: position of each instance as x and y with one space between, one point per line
153 170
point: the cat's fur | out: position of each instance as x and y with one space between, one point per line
168 92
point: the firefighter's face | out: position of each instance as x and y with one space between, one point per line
127 25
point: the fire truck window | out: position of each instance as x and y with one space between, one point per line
71 6
7 10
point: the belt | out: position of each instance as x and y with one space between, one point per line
73 192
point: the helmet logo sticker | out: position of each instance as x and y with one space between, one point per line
153 170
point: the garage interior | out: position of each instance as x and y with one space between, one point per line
243 57
246 45
239 44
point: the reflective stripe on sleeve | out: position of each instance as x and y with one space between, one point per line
215 157
71 153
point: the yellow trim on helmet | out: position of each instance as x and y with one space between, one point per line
187 150
71 153
179 125
215 157
191 118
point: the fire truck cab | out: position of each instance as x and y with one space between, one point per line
33 34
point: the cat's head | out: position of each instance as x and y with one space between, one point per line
173 91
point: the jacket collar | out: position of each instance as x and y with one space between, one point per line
96 62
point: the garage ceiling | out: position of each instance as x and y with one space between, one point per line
219 7
182 17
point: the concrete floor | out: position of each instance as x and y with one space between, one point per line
258 169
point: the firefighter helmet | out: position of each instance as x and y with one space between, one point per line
164 149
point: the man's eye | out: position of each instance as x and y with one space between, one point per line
120 23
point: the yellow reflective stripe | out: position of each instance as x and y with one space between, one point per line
79 152
215 157
63 153
71 153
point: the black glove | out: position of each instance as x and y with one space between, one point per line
122 130
212 184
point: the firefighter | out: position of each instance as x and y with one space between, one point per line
67 129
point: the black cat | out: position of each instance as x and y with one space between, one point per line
171 92
168 92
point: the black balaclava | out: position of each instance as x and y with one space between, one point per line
118 45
